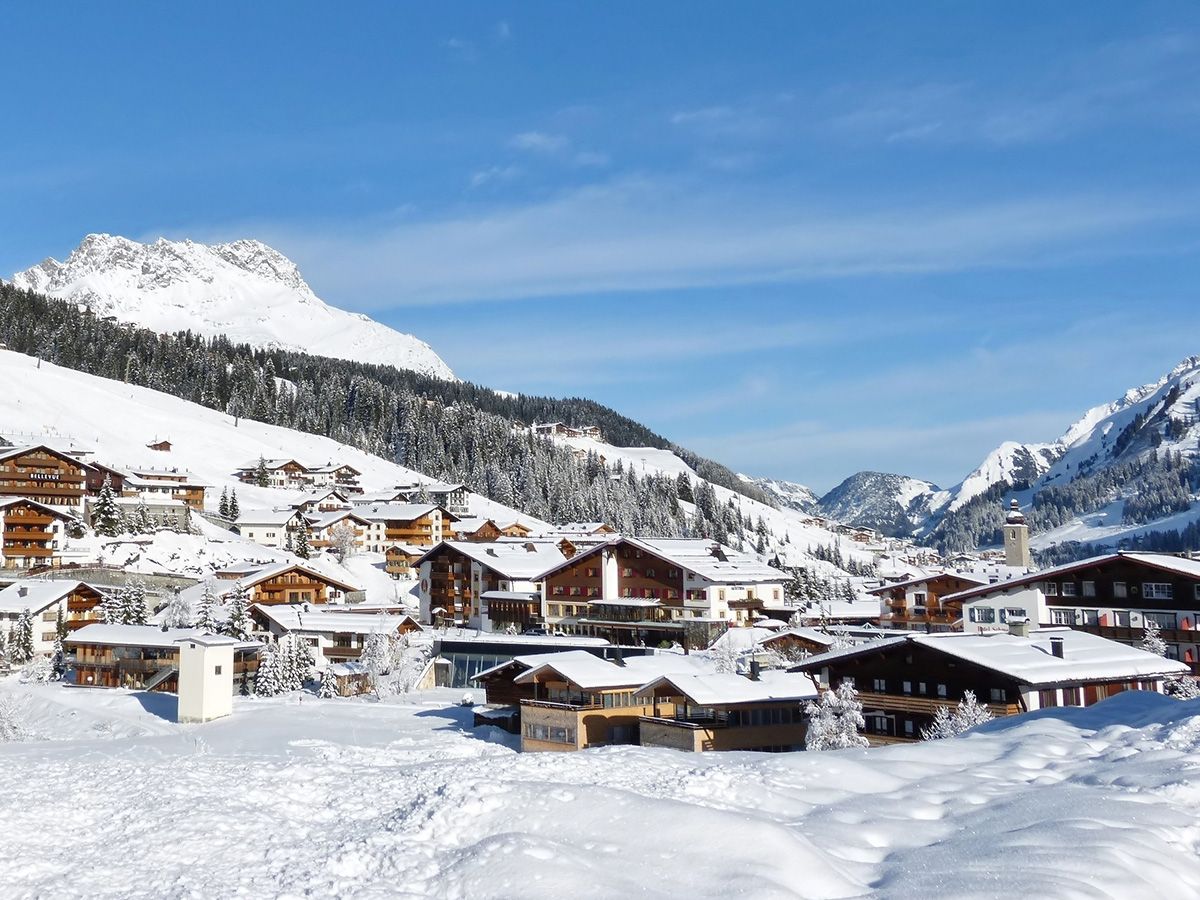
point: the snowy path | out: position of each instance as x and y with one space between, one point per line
358 799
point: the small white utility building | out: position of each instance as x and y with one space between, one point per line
205 677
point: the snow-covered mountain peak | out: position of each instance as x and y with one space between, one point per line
243 289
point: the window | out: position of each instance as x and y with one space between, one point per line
557 590
879 685
1089 617
907 688
908 727
1121 618
1012 613
1196 590
982 614
1161 619
941 690
1051 589
1062 616
921 687
649 573
217 670
1119 590
627 572
1158 590
555 609
919 599
1089 589
1069 589
848 679
1070 696
996 695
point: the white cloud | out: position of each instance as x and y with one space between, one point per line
503 32
539 142
633 235
494 174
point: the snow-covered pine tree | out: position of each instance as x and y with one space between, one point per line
302 549
20 641
235 509
206 619
1183 688
238 624
178 612
305 661
288 545
133 603
942 726
112 606
60 624
288 671
835 721
949 723
58 660
142 522
328 688
268 682
223 506
261 476
106 514
1152 641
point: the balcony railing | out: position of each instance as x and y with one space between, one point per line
927 705
555 704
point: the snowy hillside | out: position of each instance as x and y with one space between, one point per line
244 290
358 798
116 420
787 494
896 505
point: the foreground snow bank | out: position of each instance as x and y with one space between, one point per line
368 799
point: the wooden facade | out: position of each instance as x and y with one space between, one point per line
146 668
295 584
920 605
400 561
32 534
43 474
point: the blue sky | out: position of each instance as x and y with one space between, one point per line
805 240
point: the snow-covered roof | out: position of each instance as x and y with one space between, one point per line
1029 660
344 669
625 601
403 512
514 558
325 520
270 464
6 502
318 618
266 516
279 569
35 594
733 690
138 636
511 595
598 674
700 556
925 579
531 661
1166 562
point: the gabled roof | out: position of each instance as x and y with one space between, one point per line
322 619
925 579
266 516
530 661
10 452
522 559
271 464
282 568
49 510
700 556
398 512
1163 562
325 520
1028 660
599 674
38 593
732 690
140 636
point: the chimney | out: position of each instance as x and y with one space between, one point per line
1019 628
754 670
618 655
22 591
1056 647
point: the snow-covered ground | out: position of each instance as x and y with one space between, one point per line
356 798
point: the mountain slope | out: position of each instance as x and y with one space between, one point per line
895 505
244 290
786 494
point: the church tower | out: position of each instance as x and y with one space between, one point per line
1016 539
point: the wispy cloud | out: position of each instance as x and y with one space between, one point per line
539 142
502 32
494 174
637 234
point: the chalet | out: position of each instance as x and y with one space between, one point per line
584 529
473 528
903 680
701 712
452 497
321 528
333 635
455 574
177 484
42 474
514 529
95 474
422 524
919 604
801 642
1114 595
341 476
279 473
163 446
275 528
76 602
401 560
33 533
581 701
623 584
143 657
280 583
321 501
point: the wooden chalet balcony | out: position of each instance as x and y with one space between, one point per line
16 534
555 704
344 652
31 521
28 551
925 705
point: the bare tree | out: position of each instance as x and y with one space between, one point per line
343 537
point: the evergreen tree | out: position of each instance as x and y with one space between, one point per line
223 506
112 606
106 513
133 604
948 724
302 549
206 619
262 477
58 660
835 721
234 507
269 682
21 640
238 624
1152 641
178 612
328 688
60 624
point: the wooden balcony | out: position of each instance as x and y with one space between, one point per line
925 705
